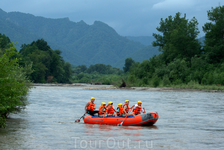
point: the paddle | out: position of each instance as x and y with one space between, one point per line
120 124
78 120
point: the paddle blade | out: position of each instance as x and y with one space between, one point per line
120 124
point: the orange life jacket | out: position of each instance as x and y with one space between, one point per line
100 110
121 111
137 110
110 110
127 109
91 106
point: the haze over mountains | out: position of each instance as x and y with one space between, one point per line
79 42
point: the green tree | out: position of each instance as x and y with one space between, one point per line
67 72
99 68
14 84
214 37
128 63
46 63
178 39
4 41
178 70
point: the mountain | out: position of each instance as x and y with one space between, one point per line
145 40
79 42
16 33
142 54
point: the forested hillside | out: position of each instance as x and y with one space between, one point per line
145 40
140 55
79 42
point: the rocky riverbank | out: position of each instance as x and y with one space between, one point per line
111 87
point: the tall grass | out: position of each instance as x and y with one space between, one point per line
156 82
196 85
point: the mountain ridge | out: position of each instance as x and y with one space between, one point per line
79 42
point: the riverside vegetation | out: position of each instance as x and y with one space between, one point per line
36 62
14 84
184 62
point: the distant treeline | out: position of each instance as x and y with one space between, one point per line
184 60
105 74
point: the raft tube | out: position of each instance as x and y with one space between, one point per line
145 119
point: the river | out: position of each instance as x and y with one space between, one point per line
187 120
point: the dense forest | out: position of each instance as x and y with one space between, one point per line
184 61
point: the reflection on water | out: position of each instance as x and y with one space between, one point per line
188 120
105 130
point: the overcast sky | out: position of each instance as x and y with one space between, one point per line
127 17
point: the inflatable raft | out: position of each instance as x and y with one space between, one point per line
145 119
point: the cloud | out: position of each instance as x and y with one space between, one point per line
174 4
127 17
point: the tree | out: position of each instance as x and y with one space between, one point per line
67 73
83 68
14 84
4 41
214 37
178 39
47 63
128 63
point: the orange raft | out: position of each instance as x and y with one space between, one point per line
145 119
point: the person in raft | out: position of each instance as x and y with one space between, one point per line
121 111
138 108
111 110
125 106
90 107
102 109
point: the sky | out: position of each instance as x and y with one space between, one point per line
127 17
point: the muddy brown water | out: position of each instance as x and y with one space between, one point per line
188 120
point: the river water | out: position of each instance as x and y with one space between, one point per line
188 120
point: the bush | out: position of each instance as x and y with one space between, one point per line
155 81
132 78
106 81
177 81
193 84
145 80
81 75
166 80
84 80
